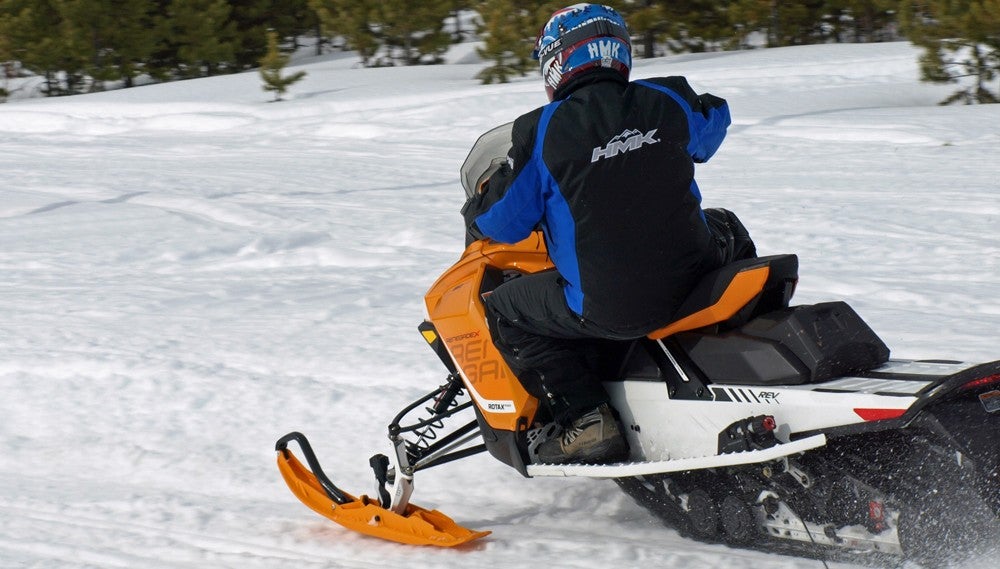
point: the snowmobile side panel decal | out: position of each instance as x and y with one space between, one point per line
720 394
733 395
868 385
879 414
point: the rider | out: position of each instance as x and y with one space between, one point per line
606 169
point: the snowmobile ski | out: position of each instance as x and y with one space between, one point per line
414 526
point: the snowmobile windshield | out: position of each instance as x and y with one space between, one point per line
486 156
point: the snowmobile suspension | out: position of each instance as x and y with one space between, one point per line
430 447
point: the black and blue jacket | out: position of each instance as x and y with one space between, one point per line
607 171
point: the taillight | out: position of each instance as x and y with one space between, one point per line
982 382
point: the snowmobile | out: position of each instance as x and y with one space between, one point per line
750 421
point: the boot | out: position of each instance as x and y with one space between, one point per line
594 438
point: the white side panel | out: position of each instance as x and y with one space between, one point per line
659 428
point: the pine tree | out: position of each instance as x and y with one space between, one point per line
697 25
389 32
199 39
116 35
6 60
251 20
862 20
961 41
412 31
291 19
351 20
505 42
799 23
784 23
272 65
647 23
509 29
7 53
459 30
46 43
681 25
749 17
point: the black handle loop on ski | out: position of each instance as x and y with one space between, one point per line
334 493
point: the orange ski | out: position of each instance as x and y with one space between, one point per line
416 526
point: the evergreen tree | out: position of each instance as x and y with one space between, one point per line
412 31
961 40
199 39
509 29
798 23
460 30
6 60
647 23
389 32
782 23
351 20
505 41
697 25
679 25
749 17
291 19
272 65
251 20
46 43
9 24
862 20
116 35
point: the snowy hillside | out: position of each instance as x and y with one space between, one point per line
188 272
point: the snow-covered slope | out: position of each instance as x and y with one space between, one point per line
188 272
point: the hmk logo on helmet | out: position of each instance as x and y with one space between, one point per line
626 141
604 49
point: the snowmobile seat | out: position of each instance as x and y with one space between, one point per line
730 296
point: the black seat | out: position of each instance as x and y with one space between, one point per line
782 276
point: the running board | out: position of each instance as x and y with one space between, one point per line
622 469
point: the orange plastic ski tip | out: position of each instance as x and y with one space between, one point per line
417 527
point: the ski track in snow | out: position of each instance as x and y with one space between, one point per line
188 272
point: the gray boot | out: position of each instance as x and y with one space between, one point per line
593 438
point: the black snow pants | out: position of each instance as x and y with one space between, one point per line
553 351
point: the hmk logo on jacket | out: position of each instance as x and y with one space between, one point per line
624 142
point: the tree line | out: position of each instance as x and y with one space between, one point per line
85 45
81 45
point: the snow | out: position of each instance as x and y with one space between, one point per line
188 272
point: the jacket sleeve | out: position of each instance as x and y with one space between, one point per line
708 115
511 204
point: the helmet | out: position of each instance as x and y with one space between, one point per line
581 38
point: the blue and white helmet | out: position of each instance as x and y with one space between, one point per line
581 38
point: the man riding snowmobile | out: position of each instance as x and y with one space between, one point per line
748 420
607 170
